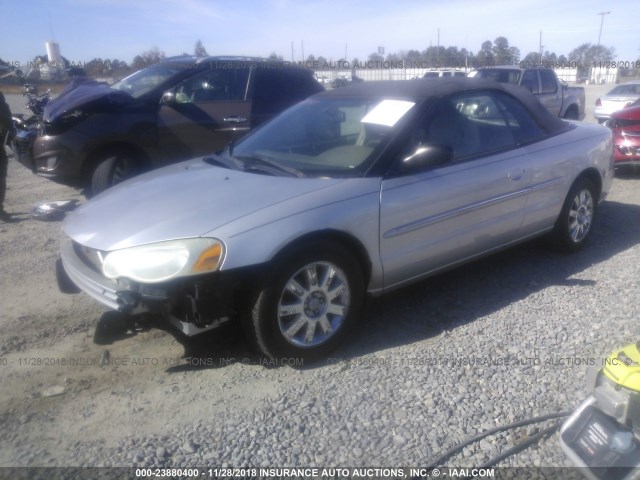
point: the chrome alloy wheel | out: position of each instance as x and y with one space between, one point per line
314 304
580 215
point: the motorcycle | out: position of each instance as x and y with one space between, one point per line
26 129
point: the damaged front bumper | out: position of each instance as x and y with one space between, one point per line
191 305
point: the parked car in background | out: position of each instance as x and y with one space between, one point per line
625 125
321 79
345 80
619 97
559 98
98 135
444 73
355 191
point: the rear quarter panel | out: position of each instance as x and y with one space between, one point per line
557 162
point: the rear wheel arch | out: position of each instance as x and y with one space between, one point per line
594 176
572 113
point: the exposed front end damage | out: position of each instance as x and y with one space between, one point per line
192 305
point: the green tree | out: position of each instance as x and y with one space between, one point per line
514 52
500 51
549 58
274 56
532 58
485 56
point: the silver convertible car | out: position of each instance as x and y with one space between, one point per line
353 192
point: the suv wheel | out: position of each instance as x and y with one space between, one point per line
113 168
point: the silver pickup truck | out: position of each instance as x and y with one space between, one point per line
561 99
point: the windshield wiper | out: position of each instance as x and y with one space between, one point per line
268 164
225 161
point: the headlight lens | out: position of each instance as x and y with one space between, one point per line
65 122
161 261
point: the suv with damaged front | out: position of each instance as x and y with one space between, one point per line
97 135
352 193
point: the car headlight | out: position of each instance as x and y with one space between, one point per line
157 262
65 122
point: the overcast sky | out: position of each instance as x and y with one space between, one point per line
121 29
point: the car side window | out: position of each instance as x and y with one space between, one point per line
470 124
215 85
548 82
523 126
530 81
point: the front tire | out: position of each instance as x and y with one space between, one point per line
112 169
575 223
308 304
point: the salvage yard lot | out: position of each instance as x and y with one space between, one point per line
500 340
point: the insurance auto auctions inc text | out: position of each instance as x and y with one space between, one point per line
357 472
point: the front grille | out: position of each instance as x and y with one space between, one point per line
83 274
23 146
91 257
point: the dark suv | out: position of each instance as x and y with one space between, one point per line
98 135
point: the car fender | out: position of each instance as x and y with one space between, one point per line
356 217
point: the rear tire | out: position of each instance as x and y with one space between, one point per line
112 169
571 113
575 222
308 304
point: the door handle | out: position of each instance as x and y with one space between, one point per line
234 119
516 175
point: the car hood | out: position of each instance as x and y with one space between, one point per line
91 96
185 200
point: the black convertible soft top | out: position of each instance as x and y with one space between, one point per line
434 88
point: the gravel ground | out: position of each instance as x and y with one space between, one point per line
504 339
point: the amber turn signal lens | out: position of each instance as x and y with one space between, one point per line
209 259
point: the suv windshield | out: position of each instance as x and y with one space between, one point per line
143 81
334 137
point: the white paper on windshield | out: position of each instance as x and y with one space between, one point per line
388 112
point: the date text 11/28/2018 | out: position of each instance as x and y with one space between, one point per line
635 64
313 472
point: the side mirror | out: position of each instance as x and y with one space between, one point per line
168 98
426 156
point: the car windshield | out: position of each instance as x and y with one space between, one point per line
628 89
324 137
143 81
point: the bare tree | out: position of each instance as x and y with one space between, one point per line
199 50
147 58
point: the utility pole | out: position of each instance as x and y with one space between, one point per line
540 47
602 14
